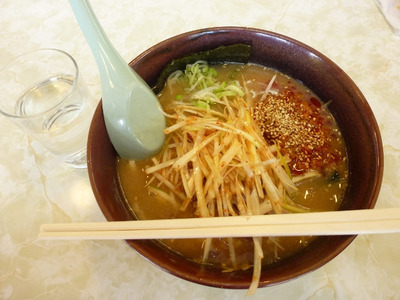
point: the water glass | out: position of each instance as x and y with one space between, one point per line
44 94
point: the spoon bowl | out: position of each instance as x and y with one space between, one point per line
132 113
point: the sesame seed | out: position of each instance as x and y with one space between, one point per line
295 125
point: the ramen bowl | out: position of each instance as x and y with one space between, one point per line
349 107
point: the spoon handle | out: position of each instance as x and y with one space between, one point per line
112 67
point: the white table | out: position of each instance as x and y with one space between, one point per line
35 188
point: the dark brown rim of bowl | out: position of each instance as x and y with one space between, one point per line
289 56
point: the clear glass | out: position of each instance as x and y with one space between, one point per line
44 94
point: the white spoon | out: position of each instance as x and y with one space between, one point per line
132 113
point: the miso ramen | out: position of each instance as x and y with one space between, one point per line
241 140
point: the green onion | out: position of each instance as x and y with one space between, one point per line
283 161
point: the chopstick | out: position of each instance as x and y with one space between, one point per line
351 222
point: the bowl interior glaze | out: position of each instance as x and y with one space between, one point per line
295 59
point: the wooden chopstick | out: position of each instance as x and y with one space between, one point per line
367 221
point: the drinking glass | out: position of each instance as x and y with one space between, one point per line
44 94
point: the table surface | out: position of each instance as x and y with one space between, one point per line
35 188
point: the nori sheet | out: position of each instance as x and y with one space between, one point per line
238 53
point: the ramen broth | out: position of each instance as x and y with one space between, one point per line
321 182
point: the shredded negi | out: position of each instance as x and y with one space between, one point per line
216 157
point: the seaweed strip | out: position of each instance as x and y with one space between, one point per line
238 53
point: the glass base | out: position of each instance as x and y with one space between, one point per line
77 160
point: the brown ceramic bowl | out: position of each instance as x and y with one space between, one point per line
289 56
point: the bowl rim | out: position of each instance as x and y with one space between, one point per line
163 261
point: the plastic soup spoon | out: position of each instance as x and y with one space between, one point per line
132 113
